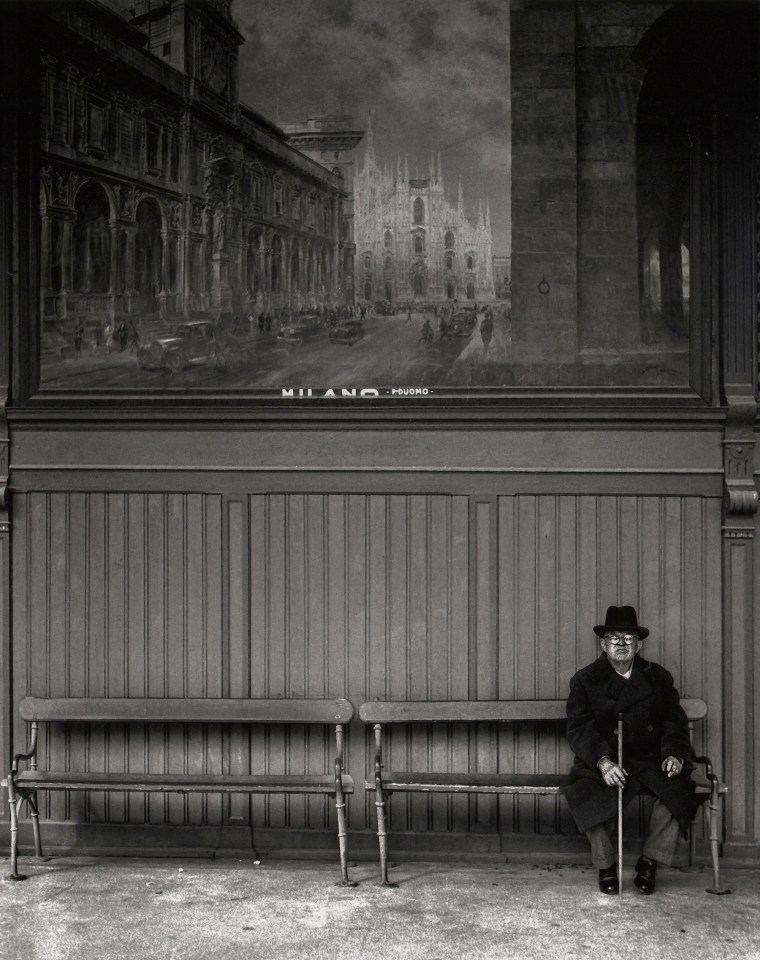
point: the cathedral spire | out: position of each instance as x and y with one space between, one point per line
370 141
488 216
440 171
406 168
460 200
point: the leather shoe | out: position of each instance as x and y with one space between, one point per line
608 880
645 875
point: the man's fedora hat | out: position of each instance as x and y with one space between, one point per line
621 618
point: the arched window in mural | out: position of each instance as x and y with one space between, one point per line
310 271
388 290
388 264
295 271
451 290
470 262
470 291
419 211
92 246
367 289
418 285
252 264
419 244
449 241
148 254
388 239
276 268
449 262
367 262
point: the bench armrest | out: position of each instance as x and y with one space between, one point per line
714 781
378 729
32 752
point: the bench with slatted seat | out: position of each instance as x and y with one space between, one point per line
22 785
381 714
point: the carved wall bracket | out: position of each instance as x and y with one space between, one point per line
740 501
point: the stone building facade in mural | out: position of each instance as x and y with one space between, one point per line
411 242
161 195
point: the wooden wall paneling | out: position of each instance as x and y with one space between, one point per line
421 644
137 591
397 750
57 638
439 604
737 571
547 643
234 676
295 660
572 556
6 605
507 610
484 664
376 684
114 617
277 638
319 750
258 588
526 642
157 568
458 614
212 588
174 642
347 595
351 559
86 611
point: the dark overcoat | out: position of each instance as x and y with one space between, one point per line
654 727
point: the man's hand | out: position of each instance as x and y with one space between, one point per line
672 766
614 775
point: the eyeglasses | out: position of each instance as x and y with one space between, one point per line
620 638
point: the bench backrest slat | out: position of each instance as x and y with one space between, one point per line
185 710
505 711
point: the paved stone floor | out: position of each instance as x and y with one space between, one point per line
82 908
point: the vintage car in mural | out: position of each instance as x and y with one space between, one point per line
349 331
300 328
461 324
188 344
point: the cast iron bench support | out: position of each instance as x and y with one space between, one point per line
380 714
22 785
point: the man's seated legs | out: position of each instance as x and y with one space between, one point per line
659 847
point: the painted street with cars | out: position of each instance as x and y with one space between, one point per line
381 350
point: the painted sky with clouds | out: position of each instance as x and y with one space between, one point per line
434 73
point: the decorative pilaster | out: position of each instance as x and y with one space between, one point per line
738 239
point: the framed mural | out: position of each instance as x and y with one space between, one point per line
340 200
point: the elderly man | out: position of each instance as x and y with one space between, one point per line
656 749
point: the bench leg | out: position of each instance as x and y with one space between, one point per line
15 807
340 807
382 838
32 799
712 812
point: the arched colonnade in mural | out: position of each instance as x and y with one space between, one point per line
279 270
108 249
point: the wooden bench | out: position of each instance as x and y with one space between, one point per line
381 714
22 785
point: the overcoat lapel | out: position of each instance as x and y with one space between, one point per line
636 688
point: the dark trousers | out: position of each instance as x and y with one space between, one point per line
660 843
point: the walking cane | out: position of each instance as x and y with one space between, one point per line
620 806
